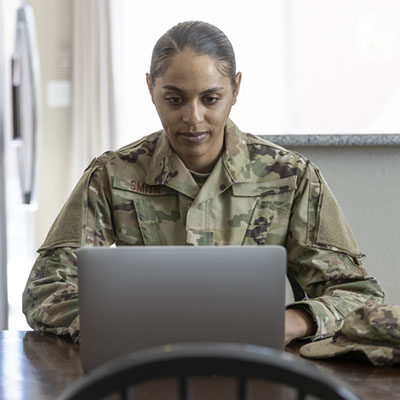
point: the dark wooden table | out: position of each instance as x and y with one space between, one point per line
40 366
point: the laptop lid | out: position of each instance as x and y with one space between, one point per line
137 297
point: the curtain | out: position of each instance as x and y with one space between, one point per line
93 109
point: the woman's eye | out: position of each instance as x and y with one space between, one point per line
175 100
211 99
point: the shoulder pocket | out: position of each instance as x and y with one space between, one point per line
327 228
68 229
333 231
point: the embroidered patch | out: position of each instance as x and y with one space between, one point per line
144 188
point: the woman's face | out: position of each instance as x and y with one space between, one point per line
193 100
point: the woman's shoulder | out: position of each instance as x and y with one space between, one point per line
145 145
133 152
269 152
131 160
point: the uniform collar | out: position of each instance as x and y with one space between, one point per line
166 167
236 157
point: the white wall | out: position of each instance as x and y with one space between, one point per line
54 30
342 61
257 32
366 183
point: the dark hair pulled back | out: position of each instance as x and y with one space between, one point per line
202 38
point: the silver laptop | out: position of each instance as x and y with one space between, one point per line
136 297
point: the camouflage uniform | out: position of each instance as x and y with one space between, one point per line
372 329
257 193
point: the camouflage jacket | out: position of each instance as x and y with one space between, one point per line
257 193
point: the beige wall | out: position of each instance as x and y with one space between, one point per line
54 31
366 183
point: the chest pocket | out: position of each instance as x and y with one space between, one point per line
269 219
154 212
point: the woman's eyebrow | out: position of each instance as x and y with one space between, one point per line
172 87
176 89
214 89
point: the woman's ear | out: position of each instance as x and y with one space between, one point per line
150 86
236 87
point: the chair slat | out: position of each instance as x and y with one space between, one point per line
301 395
123 394
242 388
184 391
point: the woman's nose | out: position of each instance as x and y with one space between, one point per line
193 113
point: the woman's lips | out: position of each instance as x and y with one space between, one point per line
193 137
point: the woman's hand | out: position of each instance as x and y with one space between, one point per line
298 324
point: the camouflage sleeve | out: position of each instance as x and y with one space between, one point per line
325 258
50 298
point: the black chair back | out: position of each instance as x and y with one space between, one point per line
182 361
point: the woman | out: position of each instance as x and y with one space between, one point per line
201 181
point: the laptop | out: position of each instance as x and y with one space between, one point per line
132 298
